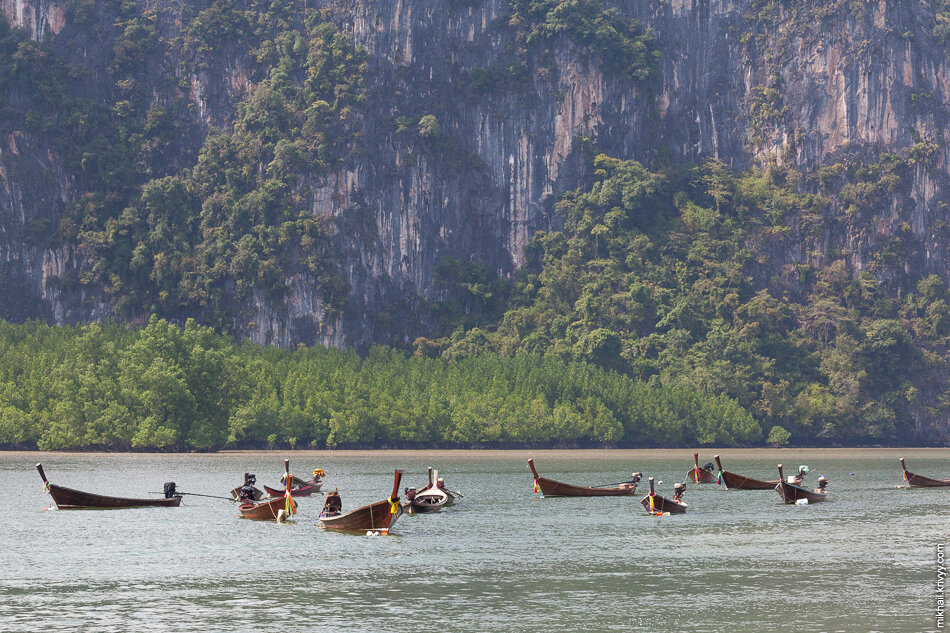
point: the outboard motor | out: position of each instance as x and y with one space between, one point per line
250 479
635 478
410 494
822 483
169 489
709 467
247 494
678 491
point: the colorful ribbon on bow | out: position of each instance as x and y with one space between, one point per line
393 505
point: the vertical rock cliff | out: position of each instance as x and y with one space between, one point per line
806 86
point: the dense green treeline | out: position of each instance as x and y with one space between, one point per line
164 387
653 277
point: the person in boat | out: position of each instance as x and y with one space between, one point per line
678 491
800 477
333 505
822 485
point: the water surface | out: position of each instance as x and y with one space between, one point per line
501 560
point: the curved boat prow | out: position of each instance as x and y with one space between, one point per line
534 471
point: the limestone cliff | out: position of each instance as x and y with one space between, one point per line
802 84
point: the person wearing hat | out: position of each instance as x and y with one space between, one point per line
800 477
678 491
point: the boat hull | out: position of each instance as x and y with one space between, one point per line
315 484
791 493
376 517
305 491
236 494
919 481
264 511
733 481
69 499
552 488
413 508
700 476
662 505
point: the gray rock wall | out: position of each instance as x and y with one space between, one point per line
848 80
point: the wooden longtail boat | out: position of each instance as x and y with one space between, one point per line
375 517
657 504
436 482
791 493
431 500
699 475
249 480
733 481
236 494
315 483
919 481
301 491
270 510
69 499
552 488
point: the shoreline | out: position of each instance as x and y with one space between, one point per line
936 451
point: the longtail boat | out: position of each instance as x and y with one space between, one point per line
375 517
431 500
658 504
437 482
552 488
249 481
273 509
733 481
791 493
315 483
699 475
69 499
919 481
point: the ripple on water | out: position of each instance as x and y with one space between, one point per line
503 559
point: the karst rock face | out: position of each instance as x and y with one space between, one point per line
794 84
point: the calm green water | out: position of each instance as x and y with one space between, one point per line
501 560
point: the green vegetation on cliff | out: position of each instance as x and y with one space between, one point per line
653 275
